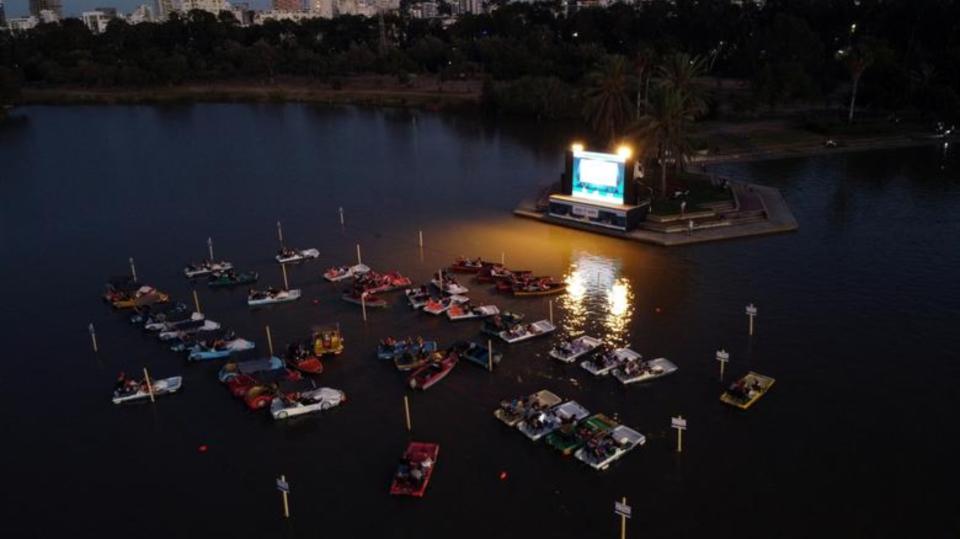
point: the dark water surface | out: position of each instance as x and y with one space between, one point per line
859 323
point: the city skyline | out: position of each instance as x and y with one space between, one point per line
73 8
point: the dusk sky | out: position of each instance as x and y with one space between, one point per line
18 8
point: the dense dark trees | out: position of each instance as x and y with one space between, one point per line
539 60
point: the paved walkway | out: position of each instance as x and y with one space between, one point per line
779 219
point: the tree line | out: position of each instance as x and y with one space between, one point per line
886 54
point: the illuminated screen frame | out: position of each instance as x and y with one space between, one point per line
611 193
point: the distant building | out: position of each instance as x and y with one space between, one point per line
3 16
48 16
36 6
143 13
210 6
288 5
321 8
97 20
22 24
472 7
261 17
425 10
165 8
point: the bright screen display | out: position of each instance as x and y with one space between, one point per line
598 176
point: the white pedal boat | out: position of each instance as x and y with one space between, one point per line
200 352
290 256
341 273
307 402
602 364
163 386
206 268
170 325
600 452
514 411
440 306
417 297
465 312
452 288
546 422
523 332
208 325
570 351
632 372
269 297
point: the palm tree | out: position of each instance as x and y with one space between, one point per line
607 107
679 72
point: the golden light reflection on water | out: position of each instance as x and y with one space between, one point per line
598 300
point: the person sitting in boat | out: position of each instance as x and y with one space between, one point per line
121 383
286 252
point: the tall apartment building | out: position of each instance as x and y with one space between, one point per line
211 6
473 7
288 5
165 8
36 6
321 8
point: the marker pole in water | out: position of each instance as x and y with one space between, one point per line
680 424
623 521
406 410
421 239
550 302
133 269
751 314
269 340
284 493
146 378
341 215
280 233
210 248
283 268
490 355
363 305
723 357
93 337
359 261
503 258
196 301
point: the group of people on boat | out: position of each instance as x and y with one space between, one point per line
286 252
126 386
269 293
413 471
602 446
391 344
468 263
743 389
638 367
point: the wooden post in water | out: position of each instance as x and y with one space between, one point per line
490 354
723 357
269 340
196 301
550 302
341 215
210 248
421 239
280 233
359 260
503 258
363 305
406 410
751 313
133 269
284 489
680 424
93 337
146 378
283 269
623 522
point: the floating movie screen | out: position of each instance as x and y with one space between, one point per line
598 176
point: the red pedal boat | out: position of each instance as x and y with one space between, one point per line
430 374
468 265
415 469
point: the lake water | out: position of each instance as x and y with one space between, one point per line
858 322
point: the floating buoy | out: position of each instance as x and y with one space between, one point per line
658 309
503 475
316 302
202 448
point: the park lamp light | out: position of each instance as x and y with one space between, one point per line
576 147
624 151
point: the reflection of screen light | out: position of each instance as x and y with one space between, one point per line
598 176
598 301
617 298
575 286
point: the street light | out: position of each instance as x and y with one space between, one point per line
625 151
576 147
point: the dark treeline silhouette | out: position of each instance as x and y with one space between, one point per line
890 55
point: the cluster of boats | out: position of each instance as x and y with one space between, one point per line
568 427
516 282
626 365
367 284
271 384
427 363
